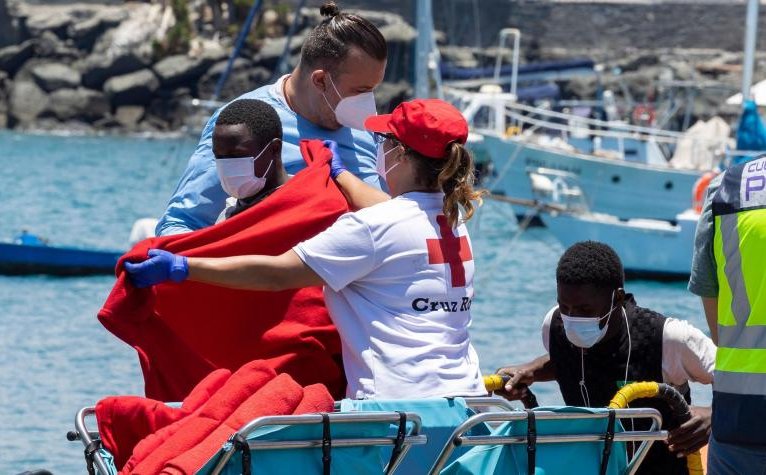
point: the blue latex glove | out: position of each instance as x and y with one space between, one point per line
161 266
336 165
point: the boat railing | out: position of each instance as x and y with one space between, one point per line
558 188
459 437
498 113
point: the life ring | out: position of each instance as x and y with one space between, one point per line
699 189
644 114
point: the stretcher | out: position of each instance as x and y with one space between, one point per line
431 436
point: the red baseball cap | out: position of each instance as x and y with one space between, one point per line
427 126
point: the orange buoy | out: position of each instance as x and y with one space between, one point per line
699 189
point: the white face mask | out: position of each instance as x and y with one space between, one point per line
380 161
352 111
585 332
237 176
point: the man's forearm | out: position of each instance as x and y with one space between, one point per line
710 305
544 368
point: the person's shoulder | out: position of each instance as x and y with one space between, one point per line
261 93
679 331
379 211
645 312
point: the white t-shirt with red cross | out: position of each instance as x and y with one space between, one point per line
399 286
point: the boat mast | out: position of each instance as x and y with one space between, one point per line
426 54
751 28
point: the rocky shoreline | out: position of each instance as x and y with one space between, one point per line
87 67
115 67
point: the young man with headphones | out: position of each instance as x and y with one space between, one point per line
599 339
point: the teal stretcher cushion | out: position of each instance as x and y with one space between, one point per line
564 458
345 460
439 416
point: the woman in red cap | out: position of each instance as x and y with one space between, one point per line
398 274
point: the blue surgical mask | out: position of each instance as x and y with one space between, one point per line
584 332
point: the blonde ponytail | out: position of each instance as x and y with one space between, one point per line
456 180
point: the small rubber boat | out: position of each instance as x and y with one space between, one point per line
22 259
30 254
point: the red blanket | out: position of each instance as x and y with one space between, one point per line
181 440
182 332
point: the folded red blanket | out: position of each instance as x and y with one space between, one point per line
123 421
205 420
182 332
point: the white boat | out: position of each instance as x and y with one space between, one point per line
647 247
623 167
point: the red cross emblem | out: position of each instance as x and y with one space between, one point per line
450 250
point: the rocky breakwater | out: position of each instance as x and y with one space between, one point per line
87 67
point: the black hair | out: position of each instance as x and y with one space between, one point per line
329 43
262 120
590 262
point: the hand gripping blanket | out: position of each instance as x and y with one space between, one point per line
183 332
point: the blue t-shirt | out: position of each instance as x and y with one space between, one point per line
199 198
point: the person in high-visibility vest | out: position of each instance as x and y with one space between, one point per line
729 273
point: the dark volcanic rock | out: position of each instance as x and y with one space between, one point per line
389 95
13 57
27 102
96 69
169 113
80 103
54 21
179 69
85 32
272 48
54 76
129 116
244 77
4 84
460 56
48 45
132 89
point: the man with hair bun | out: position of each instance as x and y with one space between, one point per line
598 339
327 96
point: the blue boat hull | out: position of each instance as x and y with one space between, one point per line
617 187
16 259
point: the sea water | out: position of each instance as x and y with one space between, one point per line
55 357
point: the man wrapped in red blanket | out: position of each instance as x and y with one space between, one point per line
182 332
